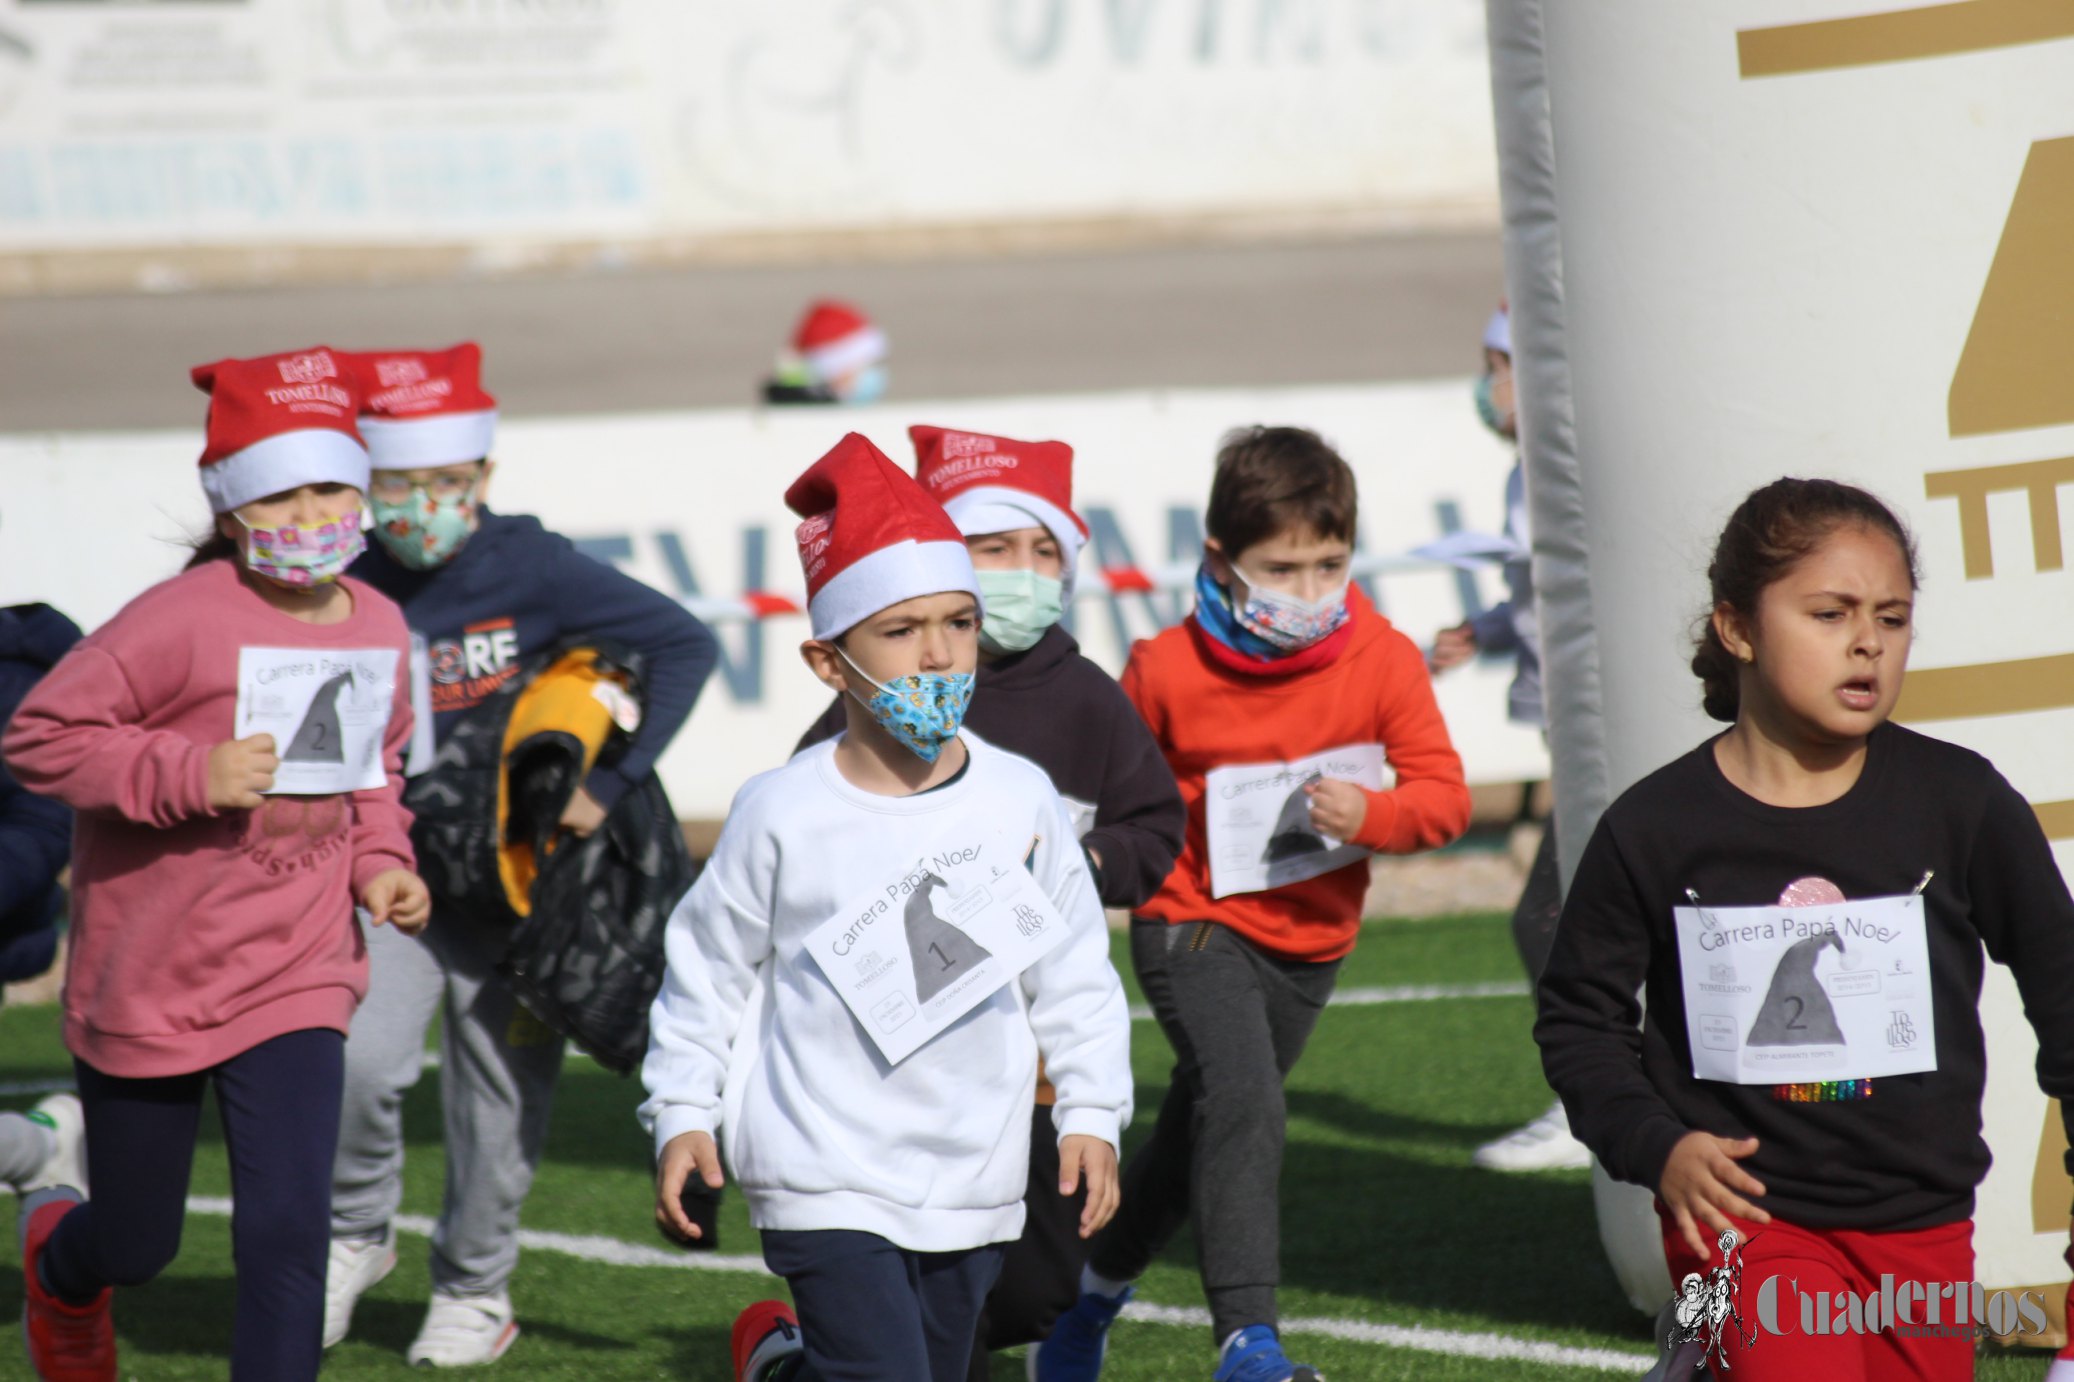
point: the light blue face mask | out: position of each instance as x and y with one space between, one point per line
1487 408
922 710
1020 605
868 385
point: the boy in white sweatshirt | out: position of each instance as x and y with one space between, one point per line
892 928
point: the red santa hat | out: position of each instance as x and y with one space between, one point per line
424 408
836 339
996 484
276 422
871 538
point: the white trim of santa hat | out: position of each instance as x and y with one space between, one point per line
836 339
1497 332
277 422
991 484
870 538
424 408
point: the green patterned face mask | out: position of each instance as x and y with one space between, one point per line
1020 605
422 532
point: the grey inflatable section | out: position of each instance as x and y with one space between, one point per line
1528 189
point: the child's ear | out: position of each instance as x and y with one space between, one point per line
1734 632
821 659
1219 564
227 527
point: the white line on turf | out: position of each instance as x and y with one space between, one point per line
592 1247
1400 993
1345 998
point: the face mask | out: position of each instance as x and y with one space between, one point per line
867 385
423 532
1487 410
1020 606
922 710
304 557
1287 622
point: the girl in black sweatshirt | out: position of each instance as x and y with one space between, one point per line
1805 904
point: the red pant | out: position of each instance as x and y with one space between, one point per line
1794 1276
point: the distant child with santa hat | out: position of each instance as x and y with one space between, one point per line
893 927
215 870
836 356
1037 696
483 591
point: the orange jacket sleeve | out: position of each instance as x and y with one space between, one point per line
1429 806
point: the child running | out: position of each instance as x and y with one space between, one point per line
1805 903
215 867
1277 703
892 928
1037 696
485 591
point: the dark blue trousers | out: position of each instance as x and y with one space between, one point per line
873 1312
280 1104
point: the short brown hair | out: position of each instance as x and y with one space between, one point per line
1271 479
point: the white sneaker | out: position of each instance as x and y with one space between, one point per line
65 1120
461 1331
1543 1145
356 1265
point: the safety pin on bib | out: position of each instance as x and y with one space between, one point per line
1928 874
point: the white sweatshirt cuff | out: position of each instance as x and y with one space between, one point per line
672 1121
1089 1122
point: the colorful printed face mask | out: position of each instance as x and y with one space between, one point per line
1020 606
305 557
1285 621
922 710
425 531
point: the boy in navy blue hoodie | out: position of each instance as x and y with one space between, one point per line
43 1146
484 591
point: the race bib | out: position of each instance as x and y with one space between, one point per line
1259 818
1790 995
925 947
328 710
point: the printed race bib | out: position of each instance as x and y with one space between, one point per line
328 711
925 947
1789 995
1259 818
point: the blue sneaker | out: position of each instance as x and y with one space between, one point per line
1255 1355
1079 1340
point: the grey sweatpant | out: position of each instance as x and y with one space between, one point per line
1237 1018
497 1072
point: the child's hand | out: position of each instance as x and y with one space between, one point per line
582 816
685 1155
1452 647
399 898
1701 1181
239 770
1337 808
1081 1155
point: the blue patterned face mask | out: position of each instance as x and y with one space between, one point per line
923 710
1487 408
867 385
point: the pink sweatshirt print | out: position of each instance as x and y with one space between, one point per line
198 933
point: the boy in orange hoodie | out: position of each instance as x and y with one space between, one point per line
1276 703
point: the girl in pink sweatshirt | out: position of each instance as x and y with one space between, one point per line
231 743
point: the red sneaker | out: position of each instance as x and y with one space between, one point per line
764 1334
67 1343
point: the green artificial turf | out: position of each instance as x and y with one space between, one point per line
1384 1219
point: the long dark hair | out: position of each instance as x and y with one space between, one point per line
1769 534
210 546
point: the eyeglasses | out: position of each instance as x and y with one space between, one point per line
443 487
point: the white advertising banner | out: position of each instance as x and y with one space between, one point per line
1838 245
692 503
402 122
